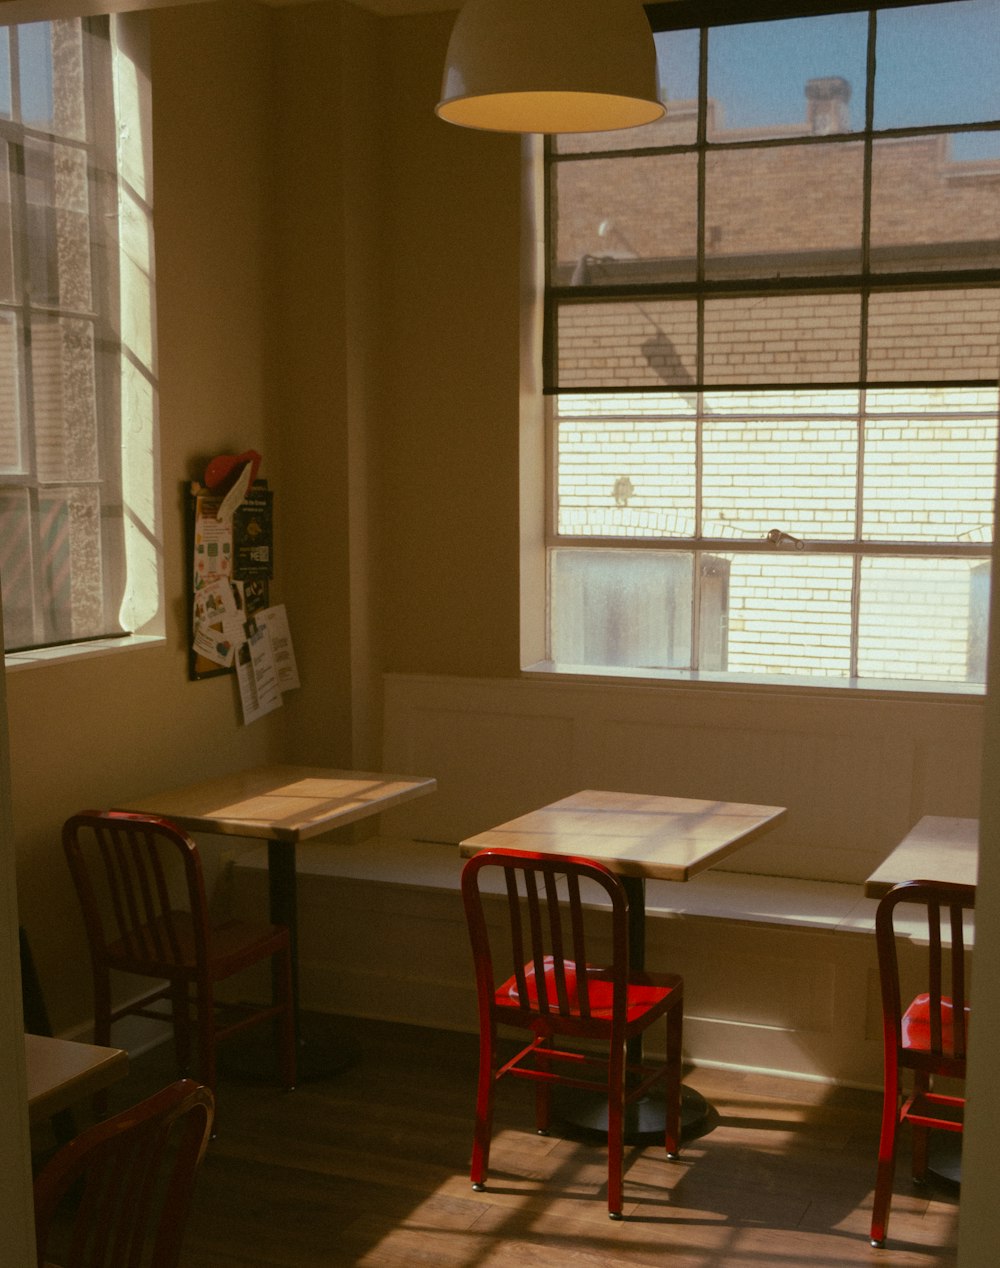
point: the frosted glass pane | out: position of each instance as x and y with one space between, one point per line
625 608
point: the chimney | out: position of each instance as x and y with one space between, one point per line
826 105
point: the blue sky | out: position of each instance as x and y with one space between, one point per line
758 71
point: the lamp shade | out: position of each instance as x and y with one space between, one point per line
551 66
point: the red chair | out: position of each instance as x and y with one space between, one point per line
536 975
923 1037
127 1184
125 868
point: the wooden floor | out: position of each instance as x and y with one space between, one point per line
370 1167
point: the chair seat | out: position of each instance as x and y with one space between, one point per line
234 943
644 993
916 1025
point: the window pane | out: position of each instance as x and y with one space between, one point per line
16 565
927 335
782 339
934 202
34 44
803 218
652 343
604 232
6 102
929 478
625 608
70 562
923 619
7 284
62 360
925 77
759 77
51 53
12 459
626 476
763 472
58 226
789 614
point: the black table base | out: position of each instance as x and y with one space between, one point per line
645 1121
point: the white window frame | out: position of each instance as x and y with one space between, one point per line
688 544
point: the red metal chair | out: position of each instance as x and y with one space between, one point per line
117 1196
929 1036
535 974
125 868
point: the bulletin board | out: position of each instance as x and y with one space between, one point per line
231 568
234 627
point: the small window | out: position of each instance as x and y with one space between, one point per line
70 220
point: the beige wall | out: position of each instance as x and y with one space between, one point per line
449 435
97 731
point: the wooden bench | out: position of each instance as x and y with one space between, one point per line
780 972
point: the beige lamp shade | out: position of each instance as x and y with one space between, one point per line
551 66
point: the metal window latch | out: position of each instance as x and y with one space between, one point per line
776 537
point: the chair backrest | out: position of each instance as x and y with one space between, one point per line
544 944
127 1184
939 937
125 867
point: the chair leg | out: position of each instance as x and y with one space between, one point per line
485 1096
543 1099
921 1135
102 1031
206 1033
886 1159
180 1007
672 1087
616 1129
287 1038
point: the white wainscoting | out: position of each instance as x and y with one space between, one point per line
775 947
856 772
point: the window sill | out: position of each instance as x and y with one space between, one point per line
929 690
15 662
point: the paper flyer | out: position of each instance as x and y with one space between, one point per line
266 663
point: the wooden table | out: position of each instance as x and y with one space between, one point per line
61 1073
935 849
638 836
284 806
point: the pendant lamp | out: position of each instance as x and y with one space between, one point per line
551 66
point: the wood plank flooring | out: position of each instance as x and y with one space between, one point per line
370 1168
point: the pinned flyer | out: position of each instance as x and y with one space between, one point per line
275 620
265 664
256 675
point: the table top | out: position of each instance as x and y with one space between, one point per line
935 849
61 1072
280 802
634 834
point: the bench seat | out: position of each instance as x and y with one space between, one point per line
780 973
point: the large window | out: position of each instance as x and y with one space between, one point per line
75 335
772 346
